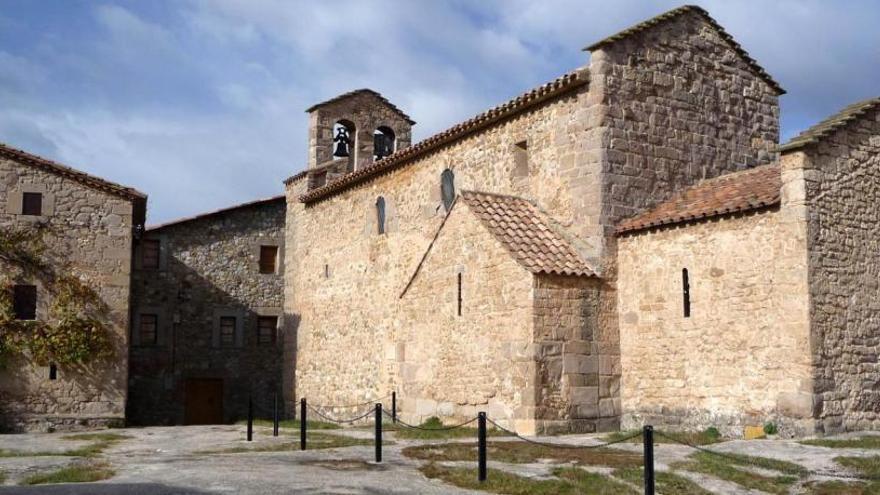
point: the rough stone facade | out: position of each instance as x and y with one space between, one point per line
208 269
90 232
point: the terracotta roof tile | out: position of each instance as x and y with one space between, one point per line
826 127
526 233
672 14
408 155
751 189
70 173
358 92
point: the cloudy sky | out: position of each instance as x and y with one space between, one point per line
199 103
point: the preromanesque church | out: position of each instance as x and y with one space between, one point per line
626 244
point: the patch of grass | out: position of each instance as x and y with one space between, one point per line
522 453
291 424
871 442
314 441
868 467
664 482
102 442
572 481
97 437
437 434
731 467
2 477
841 488
706 437
80 473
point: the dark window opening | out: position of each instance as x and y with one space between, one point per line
326 271
24 302
380 214
266 329
32 204
521 159
383 142
268 259
458 310
227 330
343 139
447 188
53 372
150 249
149 329
686 292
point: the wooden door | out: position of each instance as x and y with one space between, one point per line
204 401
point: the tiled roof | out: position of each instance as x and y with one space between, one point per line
358 92
200 216
672 14
751 189
526 233
65 171
408 155
296 177
825 128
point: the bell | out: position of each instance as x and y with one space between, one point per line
341 149
382 145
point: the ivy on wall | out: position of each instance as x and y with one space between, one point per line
74 330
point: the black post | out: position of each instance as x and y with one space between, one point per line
394 407
275 417
648 436
302 424
481 447
379 432
250 429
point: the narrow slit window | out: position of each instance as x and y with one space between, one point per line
268 259
24 302
53 372
521 159
150 249
447 188
686 292
32 204
267 327
380 215
149 329
458 309
227 331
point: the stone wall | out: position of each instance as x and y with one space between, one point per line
743 356
209 268
90 235
671 105
843 189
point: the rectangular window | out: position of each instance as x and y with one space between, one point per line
268 259
150 249
521 159
266 328
32 204
227 330
24 302
149 329
686 292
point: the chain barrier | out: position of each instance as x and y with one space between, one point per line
339 421
562 445
369 402
422 428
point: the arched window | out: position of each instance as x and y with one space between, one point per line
380 214
343 139
447 187
686 292
383 142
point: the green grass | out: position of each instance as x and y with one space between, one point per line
872 442
101 442
664 482
865 466
82 473
2 477
290 424
572 481
841 488
705 437
403 432
522 453
314 441
731 467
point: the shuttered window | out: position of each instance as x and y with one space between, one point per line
24 302
268 259
150 250
227 331
149 329
266 329
32 204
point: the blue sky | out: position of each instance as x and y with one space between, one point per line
200 103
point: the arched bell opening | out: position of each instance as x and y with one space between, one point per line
383 142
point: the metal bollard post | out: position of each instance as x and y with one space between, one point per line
302 424
481 447
394 407
648 436
275 417
379 432
250 426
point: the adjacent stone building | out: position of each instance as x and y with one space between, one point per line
208 294
89 226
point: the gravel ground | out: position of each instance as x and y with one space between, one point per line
166 460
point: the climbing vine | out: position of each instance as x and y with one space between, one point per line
73 332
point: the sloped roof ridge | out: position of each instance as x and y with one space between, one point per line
829 125
211 213
362 91
684 9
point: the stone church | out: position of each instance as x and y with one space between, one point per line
626 244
